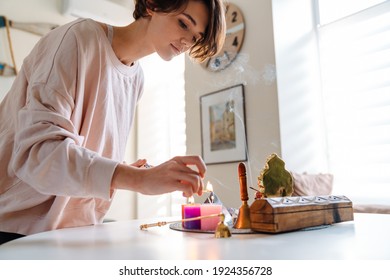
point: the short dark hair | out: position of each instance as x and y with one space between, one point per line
214 36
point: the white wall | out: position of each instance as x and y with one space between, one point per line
254 68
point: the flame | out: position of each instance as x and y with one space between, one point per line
191 200
209 187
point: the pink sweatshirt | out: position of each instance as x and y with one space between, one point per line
63 129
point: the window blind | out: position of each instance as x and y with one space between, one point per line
355 70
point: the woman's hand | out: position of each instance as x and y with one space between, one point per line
175 174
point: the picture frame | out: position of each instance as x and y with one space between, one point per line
223 125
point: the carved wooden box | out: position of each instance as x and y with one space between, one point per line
281 214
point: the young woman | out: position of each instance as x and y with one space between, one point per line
65 122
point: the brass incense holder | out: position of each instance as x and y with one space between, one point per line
222 230
243 220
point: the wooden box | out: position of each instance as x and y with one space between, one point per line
281 214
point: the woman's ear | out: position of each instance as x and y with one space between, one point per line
150 8
149 12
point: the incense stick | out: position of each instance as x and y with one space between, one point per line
163 223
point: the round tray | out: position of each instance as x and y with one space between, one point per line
179 227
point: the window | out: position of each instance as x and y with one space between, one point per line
333 77
355 69
333 10
160 128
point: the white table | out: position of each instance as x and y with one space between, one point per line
365 238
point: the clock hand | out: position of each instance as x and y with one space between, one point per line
225 54
235 29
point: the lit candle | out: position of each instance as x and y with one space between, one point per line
190 201
210 209
190 210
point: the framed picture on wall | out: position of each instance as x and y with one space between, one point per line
223 125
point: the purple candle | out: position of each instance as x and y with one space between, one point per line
191 211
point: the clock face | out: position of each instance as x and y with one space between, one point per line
235 28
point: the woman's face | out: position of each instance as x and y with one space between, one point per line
173 34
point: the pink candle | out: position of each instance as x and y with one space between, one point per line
210 209
191 211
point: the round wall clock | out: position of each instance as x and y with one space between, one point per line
235 30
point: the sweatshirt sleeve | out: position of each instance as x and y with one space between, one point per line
49 156
48 150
